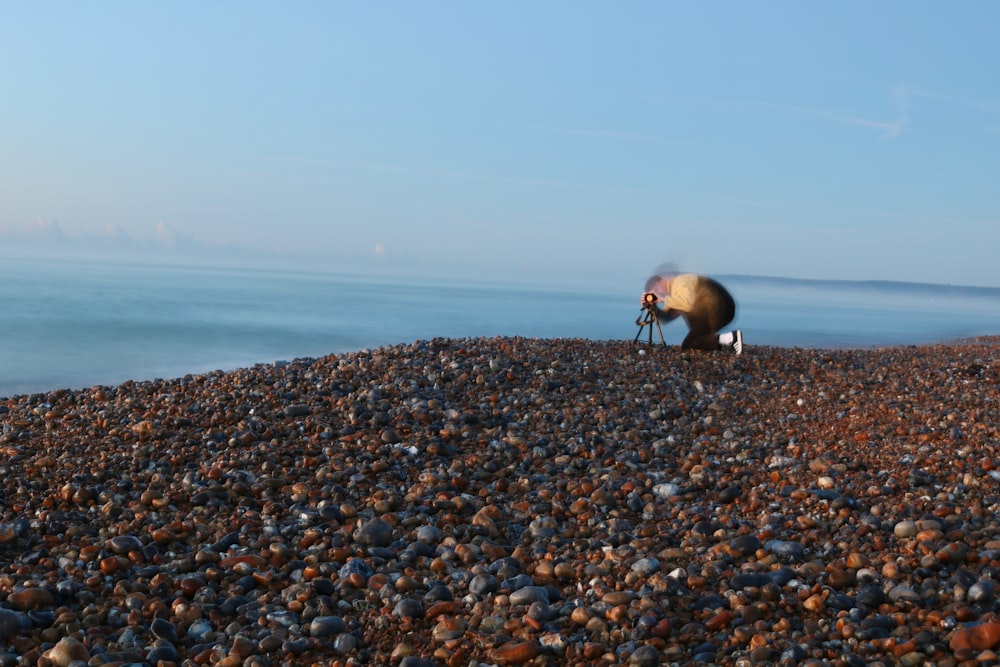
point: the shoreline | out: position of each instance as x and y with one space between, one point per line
513 501
215 370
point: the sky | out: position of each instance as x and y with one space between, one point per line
562 142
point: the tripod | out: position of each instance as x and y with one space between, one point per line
647 318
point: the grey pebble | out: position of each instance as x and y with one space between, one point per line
164 652
903 593
408 608
416 661
326 626
345 643
666 490
645 567
297 410
122 544
374 533
164 629
785 548
529 594
645 656
981 591
483 584
429 535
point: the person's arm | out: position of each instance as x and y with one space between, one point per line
666 315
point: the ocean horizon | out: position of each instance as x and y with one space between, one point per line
76 325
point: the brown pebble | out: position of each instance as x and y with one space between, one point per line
593 650
719 620
617 597
839 578
814 603
544 572
564 571
448 627
67 651
109 565
515 652
856 561
617 614
580 615
8 533
977 638
27 599
439 608
661 629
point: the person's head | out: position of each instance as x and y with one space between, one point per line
659 282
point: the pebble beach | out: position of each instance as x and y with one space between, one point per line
512 501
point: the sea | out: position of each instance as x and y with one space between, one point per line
68 325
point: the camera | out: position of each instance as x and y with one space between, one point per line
649 299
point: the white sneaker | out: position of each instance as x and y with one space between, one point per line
738 341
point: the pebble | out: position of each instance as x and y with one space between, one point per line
516 652
67 651
30 598
976 638
376 533
529 594
10 624
511 501
483 584
646 567
980 592
408 608
645 656
326 626
164 629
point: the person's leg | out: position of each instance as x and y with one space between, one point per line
701 335
714 309
715 304
723 312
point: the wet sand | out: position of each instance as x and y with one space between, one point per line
512 501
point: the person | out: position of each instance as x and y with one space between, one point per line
704 304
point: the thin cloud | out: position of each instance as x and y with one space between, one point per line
46 227
899 96
891 129
110 235
165 234
115 231
915 91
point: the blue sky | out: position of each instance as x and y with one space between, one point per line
558 142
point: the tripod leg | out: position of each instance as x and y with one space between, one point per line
641 323
649 321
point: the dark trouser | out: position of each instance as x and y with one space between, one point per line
713 309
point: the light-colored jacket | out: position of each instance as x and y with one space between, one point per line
705 304
682 292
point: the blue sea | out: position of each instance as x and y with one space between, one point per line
76 325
